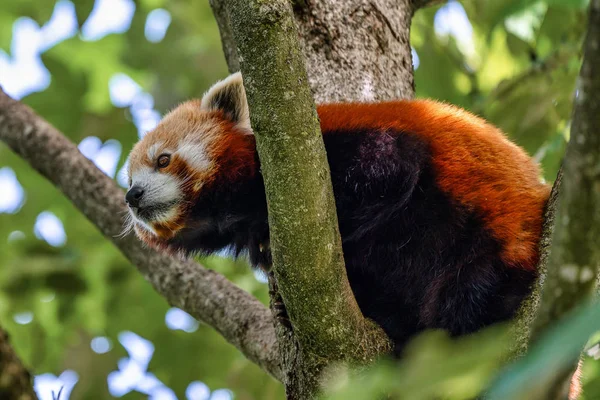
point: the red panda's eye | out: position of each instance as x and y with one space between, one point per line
163 161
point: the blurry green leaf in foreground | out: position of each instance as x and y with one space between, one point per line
434 365
557 350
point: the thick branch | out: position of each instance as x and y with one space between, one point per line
354 49
574 258
305 240
227 41
15 380
205 294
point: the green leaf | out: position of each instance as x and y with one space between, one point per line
525 23
558 349
39 11
434 366
83 8
98 61
6 22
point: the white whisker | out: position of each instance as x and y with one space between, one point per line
127 226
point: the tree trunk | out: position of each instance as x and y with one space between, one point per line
308 262
354 50
570 258
523 323
574 258
574 255
357 49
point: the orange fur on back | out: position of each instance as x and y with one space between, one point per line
475 164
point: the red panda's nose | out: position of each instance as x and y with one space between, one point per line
133 196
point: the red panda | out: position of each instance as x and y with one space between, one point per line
440 214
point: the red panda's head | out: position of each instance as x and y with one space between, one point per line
197 145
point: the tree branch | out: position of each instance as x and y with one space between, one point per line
574 255
305 240
523 323
15 380
240 318
574 259
227 41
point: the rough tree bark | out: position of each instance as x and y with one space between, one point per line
15 380
574 255
523 323
205 294
574 259
357 49
305 242
354 49
562 283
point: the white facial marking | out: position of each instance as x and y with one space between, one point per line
153 149
167 216
194 153
159 189
146 226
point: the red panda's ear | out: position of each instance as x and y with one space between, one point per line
229 96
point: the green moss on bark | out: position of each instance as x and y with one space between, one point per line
570 254
524 321
574 255
305 241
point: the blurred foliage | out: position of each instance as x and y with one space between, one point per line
435 366
557 351
518 71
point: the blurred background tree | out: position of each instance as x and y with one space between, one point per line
103 71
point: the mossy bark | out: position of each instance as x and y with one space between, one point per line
574 259
523 323
570 251
305 241
575 254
